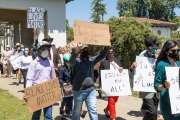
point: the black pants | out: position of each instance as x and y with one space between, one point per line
24 73
149 107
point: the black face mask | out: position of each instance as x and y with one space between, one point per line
173 55
85 53
67 65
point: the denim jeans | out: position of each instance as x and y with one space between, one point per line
24 73
47 114
90 99
69 101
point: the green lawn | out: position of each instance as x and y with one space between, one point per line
12 108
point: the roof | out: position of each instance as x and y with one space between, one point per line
69 1
155 23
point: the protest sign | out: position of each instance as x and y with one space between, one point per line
91 33
172 75
15 61
43 95
68 47
115 83
144 75
35 17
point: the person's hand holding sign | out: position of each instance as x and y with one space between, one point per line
78 47
120 69
25 98
166 84
133 66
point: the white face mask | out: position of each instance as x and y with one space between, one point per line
45 53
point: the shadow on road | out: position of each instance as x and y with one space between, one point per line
103 117
135 113
22 91
13 83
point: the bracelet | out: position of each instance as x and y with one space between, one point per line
164 85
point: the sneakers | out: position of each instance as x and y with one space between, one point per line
106 113
17 84
61 111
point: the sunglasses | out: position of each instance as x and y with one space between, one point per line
175 51
111 51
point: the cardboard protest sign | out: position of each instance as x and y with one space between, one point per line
43 95
15 61
172 75
35 17
91 33
115 83
68 47
144 75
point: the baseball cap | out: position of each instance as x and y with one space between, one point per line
84 46
43 44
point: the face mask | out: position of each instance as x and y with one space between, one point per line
85 53
44 54
49 42
110 55
67 65
22 49
26 52
7 49
173 55
34 48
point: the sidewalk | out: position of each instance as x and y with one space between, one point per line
128 107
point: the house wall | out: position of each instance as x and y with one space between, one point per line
55 18
165 31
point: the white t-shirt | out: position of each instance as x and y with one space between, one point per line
26 60
114 66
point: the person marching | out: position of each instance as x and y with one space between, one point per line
83 80
66 87
167 58
26 60
18 72
150 99
41 70
111 63
5 60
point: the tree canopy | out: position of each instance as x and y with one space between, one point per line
128 38
98 11
69 32
153 9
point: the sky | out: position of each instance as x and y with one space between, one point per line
81 10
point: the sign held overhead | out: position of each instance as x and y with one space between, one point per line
91 33
35 17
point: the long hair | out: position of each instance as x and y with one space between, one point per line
167 45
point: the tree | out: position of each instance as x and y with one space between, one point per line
69 32
98 11
128 38
153 9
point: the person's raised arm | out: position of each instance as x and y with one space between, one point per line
74 54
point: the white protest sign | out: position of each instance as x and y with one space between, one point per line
172 75
35 17
115 83
144 75
15 61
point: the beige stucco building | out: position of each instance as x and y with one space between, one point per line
13 17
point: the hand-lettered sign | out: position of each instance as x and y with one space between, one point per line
172 75
15 61
68 47
43 95
91 33
144 75
115 83
35 17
